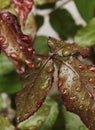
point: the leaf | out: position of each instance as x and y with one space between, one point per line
64 49
10 83
63 23
30 27
36 84
44 118
16 45
5 65
41 2
72 121
1 102
86 8
76 84
5 124
40 45
23 8
4 3
85 37
39 20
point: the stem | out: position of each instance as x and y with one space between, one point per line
40 55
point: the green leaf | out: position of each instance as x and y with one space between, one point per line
63 23
76 85
72 121
5 124
41 2
86 8
40 45
44 118
10 83
39 20
1 102
5 65
36 85
4 3
86 36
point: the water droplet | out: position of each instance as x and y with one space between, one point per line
60 82
74 98
14 56
81 107
50 68
75 78
78 89
29 63
70 62
18 118
30 50
81 67
51 44
66 92
91 68
91 80
39 122
22 48
44 87
25 116
65 53
2 39
82 98
5 45
38 64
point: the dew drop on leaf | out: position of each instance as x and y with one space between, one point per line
91 68
91 80
2 39
60 82
50 68
81 67
65 53
81 107
78 89
66 92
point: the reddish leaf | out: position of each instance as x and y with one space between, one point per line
23 7
77 87
36 84
13 42
64 49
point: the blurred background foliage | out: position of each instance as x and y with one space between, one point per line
50 18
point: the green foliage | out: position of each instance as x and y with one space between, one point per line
39 20
63 23
40 45
86 36
10 83
5 124
4 3
44 118
5 65
86 8
41 2
72 121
